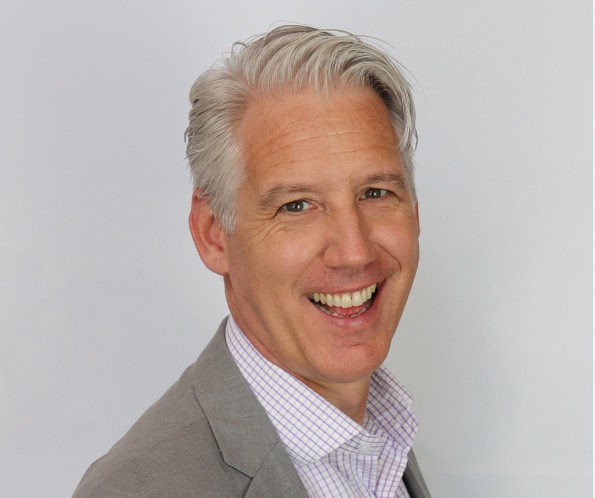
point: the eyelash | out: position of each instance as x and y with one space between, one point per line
374 190
286 207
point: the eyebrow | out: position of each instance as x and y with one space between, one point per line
271 197
397 179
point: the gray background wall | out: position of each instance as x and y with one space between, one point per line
103 300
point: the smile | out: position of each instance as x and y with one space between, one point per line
346 300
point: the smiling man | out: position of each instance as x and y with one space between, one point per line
300 144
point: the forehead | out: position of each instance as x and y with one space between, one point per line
295 129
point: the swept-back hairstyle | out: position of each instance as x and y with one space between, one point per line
289 58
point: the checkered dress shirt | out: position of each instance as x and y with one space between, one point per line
333 455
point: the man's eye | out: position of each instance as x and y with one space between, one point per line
296 206
374 193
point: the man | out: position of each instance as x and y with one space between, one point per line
300 145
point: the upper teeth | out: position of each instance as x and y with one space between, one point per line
347 300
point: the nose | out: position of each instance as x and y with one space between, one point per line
348 241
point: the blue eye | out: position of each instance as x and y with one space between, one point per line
374 193
296 206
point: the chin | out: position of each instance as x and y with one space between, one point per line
354 365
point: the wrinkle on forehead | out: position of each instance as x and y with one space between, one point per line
277 124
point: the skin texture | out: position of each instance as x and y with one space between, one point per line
325 208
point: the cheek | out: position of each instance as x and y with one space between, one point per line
267 267
287 250
400 241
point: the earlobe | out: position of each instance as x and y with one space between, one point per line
208 235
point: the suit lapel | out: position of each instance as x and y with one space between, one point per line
414 480
272 480
231 408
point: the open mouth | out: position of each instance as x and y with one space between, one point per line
346 305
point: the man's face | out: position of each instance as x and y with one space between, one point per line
325 210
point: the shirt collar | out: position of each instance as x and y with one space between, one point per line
309 426
390 407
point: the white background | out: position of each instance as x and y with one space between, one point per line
103 300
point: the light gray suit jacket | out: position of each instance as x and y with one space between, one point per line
208 436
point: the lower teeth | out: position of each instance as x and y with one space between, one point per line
332 313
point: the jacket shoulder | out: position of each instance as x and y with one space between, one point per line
178 465
169 451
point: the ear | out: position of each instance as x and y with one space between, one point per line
417 218
208 235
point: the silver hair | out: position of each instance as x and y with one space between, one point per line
288 58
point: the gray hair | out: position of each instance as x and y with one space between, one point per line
288 58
